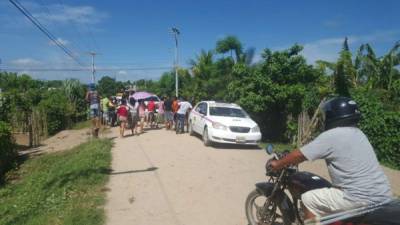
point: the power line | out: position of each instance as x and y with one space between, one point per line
84 69
49 13
78 31
95 46
28 15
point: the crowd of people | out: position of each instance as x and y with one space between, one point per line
137 114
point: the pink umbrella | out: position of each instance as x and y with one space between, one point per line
142 95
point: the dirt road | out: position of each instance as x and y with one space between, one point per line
160 178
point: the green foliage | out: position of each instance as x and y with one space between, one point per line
8 153
340 81
167 84
58 110
381 124
108 86
59 188
282 87
230 44
75 92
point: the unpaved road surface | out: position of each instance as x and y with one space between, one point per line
160 178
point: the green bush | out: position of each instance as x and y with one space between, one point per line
58 111
8 153
381 124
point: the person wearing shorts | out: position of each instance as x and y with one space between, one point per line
357 177
169 117
133 116
93 98
122 113
104 108
175 107
160 111
142 114
151 107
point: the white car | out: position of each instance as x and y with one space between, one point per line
223 123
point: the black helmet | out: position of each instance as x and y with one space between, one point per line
341 112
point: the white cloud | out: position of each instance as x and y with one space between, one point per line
24 62
122 72
64 14
70 14
328 49
60 40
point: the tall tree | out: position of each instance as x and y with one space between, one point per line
203 64
348 68
230 44
340 80
378 72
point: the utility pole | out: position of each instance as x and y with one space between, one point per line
176 33
93 54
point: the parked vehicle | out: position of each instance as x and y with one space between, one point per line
270 204
223 123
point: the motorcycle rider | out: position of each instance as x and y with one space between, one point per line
356 175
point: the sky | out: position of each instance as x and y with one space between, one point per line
134 41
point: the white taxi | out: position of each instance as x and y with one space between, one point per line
223 123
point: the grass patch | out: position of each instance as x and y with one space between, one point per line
278 147
59 188
82 125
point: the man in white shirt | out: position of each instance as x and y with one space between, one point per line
184 106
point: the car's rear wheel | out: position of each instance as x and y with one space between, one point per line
206 139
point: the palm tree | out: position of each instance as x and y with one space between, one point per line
366 64
378 72
389 62
230 44
202 65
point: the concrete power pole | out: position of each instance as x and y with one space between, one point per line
176 33
93 54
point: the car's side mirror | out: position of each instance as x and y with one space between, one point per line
269 149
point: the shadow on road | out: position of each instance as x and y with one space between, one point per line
235 147
133 171
221 146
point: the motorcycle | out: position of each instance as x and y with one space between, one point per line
270 203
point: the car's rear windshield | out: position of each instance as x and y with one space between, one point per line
226 111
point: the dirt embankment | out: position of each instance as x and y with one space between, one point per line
63 140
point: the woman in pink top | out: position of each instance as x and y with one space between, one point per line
142 114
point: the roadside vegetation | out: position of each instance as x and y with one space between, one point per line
282 88
82 125
278 90
58 188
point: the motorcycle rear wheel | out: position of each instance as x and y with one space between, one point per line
259 214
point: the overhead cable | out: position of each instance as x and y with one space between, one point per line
84 69
44 30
